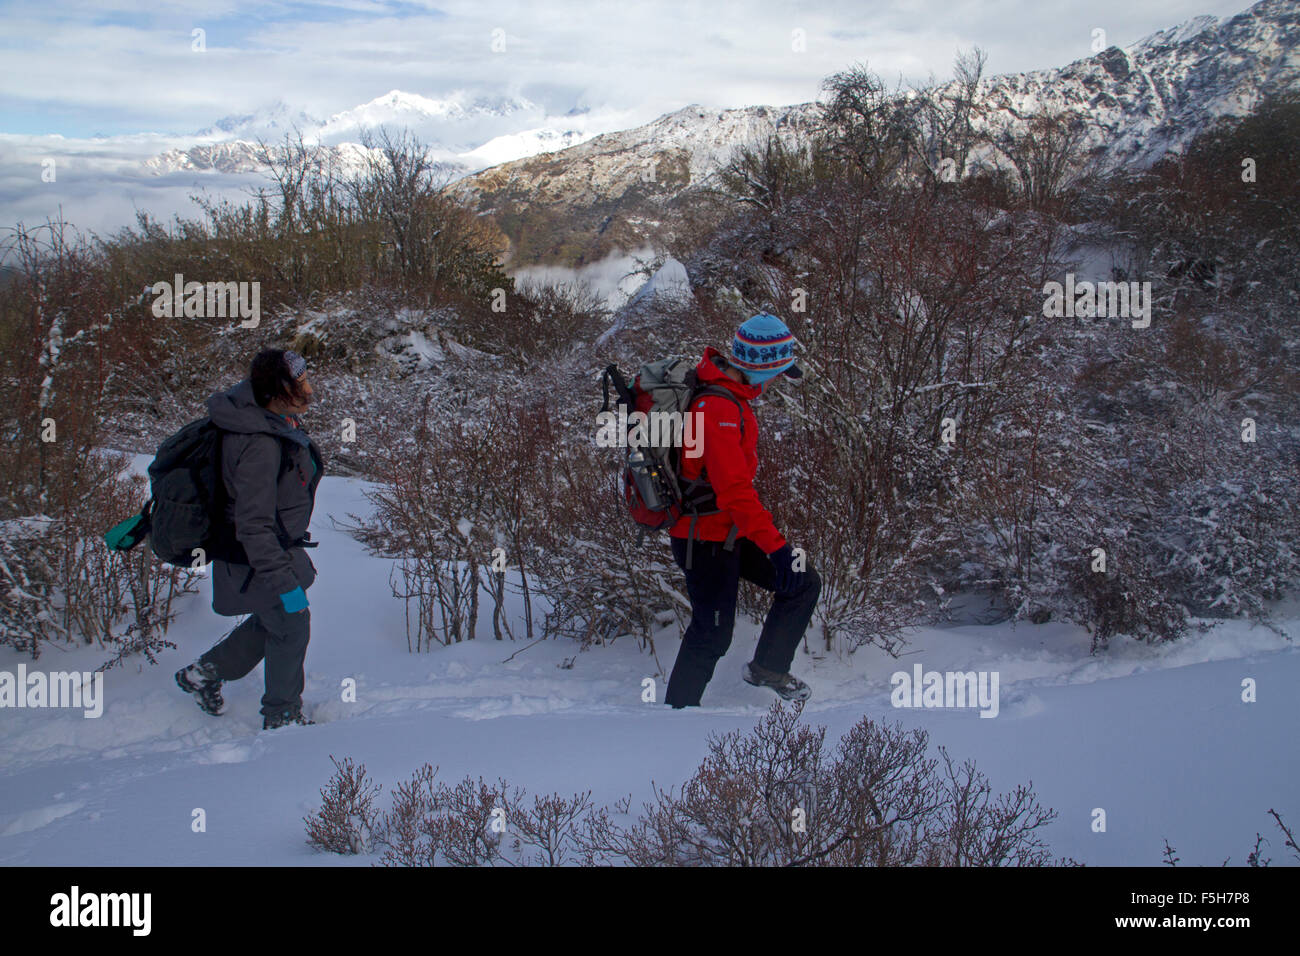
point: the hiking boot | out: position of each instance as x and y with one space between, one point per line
787 686
200 680
285 718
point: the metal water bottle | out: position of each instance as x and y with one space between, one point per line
643 476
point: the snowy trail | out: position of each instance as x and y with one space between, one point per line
1158 736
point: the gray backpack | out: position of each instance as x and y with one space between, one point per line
652 487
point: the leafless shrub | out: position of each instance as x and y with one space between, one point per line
1048 157
424 511
740 808
545 322
462 502
103 588
923 363
1255 856
601 581
981 830
775 796
474 823
410 831
64 336
549 826
346 816
471 821
28 585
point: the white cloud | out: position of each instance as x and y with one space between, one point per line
132 61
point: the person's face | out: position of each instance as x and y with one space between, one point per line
295 405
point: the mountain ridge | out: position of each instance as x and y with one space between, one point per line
1136 103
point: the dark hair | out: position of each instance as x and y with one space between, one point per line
269 375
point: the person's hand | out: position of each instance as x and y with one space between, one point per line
294 601
787 578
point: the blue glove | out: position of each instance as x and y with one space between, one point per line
294 601
787 578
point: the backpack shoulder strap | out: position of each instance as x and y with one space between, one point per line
285 464
623 391
707 390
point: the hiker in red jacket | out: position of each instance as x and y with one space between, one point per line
739 540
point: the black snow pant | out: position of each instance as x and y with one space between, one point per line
713 583
276 636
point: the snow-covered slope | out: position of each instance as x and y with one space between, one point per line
1156 95
1158 736
520 145
676 151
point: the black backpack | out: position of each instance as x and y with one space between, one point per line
185 516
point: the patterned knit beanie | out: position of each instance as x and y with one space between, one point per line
764 347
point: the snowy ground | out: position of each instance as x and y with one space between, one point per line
1158 737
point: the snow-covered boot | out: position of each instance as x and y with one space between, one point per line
201 681
285 718
787 686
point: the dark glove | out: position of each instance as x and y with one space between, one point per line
787 578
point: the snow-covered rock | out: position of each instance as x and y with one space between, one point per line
667 291
670 285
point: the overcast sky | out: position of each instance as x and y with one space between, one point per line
85 67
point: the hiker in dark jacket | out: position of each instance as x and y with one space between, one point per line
270 469
740 540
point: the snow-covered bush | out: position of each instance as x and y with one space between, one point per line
425 512
911 305
58 581
28 589
347 815
1230 545
540 323
63 337
124 602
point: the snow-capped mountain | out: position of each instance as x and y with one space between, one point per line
465 132
269 123
676 151
1154 96
457 122
246 156
530 142
1136 104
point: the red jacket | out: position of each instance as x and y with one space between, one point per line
730 461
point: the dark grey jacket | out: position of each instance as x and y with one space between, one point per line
270 468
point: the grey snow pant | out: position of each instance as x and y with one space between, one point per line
279 638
